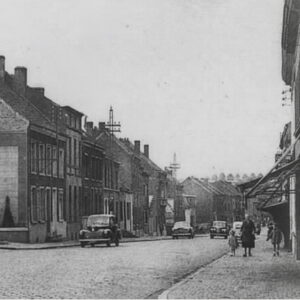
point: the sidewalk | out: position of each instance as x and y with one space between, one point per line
256 277
39 246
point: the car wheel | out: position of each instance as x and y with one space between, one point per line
92 245
108 243
82 245
211 236
225 237
117 242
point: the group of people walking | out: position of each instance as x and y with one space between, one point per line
248 237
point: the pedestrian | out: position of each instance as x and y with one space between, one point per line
270 229
248 235
232 242
276 238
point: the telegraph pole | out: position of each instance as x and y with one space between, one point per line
174 166
112 128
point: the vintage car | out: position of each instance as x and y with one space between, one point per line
236 227
100 229
182 228
219 228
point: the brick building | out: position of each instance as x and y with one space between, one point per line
214 200
32 155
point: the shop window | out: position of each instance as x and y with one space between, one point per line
42 205
60 204
34 216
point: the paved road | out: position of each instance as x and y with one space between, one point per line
132 270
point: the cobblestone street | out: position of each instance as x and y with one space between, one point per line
132 270
256 277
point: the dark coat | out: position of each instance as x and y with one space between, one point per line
248 236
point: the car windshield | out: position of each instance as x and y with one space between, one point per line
181 224
98 220
237 225
219 224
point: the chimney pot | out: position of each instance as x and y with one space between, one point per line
146 150
2 68
90 125
137 146
20 80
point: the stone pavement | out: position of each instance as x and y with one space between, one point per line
256 277
36 246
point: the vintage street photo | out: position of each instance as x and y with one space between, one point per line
150 149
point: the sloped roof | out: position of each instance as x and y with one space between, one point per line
25 108
226 188
204 185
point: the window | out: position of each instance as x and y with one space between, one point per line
48 213
54 203
48 160
42 205
42 159
33 157
54 161
70 203
75 152
106 208
75 204
60 205
128 213
33 205
61 163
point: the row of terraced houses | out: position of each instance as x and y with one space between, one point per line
56 169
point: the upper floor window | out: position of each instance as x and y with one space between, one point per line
48 159
41 158
33 157
61 163
54 161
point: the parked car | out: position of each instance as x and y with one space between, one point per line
236 226
219 228
100 229
182 228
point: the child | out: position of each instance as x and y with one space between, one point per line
276 238
233 243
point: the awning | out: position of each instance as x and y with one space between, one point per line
271 186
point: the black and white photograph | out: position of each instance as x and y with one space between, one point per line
150 149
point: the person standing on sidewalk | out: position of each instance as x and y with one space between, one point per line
248 235
232 242
276 238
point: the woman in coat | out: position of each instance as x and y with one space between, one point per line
248 235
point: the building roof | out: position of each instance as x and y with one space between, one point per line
25 108
226 188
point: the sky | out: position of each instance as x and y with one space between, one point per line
199 78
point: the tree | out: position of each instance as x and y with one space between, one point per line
8 220
230 177
222 176
214 177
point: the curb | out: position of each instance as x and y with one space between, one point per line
41 247
165 294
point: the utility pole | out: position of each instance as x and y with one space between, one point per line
112 127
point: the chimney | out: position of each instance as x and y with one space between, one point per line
146 150
39 91
2 68
101 126
20 80
137 146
